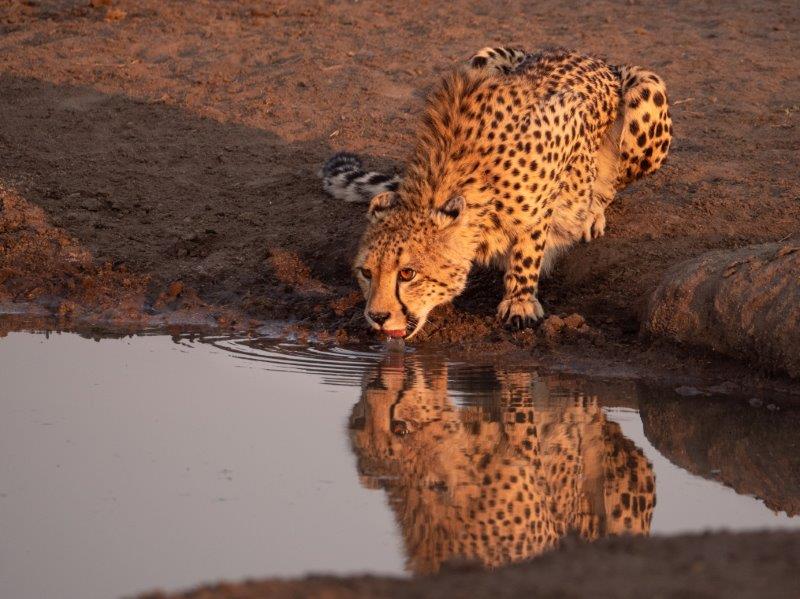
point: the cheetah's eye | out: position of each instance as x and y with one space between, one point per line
366 273
406 274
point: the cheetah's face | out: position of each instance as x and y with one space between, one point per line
403 416
410 261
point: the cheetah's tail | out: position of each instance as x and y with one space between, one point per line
647 126
344 178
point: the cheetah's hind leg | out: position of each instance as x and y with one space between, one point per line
604 185
635 145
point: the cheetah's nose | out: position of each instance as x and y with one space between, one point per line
379 317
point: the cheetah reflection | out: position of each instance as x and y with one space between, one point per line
499 482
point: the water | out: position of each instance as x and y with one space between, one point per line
151 462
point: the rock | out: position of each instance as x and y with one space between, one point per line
175 289
687 391
724 388
744 303
574 321
552 326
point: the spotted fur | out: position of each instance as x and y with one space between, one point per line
499 482
517 157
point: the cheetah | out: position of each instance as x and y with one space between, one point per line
517 157
501 481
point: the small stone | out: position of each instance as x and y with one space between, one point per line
755 402
687 391
175 289
724 388
115 14
552 326
574 321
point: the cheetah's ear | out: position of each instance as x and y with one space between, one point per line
381 205
450 212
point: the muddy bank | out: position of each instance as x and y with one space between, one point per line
49 280
178 144
756 565
745 303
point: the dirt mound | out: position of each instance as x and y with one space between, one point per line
41 264
717 565
46 272
745 303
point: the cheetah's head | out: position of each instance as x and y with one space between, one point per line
411 260
403 422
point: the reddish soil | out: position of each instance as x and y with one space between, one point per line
178 143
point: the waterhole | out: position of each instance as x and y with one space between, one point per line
137 463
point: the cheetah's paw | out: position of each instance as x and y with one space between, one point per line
594 226
518 314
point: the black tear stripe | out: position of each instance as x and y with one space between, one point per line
411 320
403 307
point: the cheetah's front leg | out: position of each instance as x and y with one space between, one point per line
520 308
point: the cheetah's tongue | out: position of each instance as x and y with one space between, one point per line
395 334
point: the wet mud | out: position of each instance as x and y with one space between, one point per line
752 565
